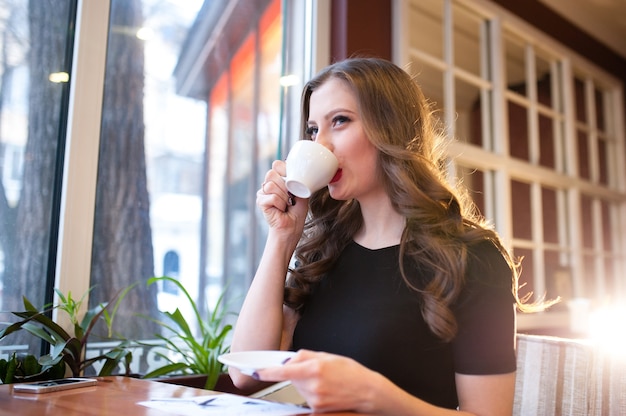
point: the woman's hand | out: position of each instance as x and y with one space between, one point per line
331 383
328 382
282 210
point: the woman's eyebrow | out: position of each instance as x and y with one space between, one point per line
335 111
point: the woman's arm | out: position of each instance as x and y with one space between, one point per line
263 323
260 322
486 394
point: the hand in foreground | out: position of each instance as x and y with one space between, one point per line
328 382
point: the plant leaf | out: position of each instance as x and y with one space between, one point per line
49 361
166 369
46 322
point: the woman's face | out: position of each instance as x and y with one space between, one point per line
335 121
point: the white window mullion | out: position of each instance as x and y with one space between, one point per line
448 74
485 92
489 195
401 49
556 82
616 248
449 99
592 136
503 207
500 138
571 149
531 91
486 115
536 206
608 134
620 248
574 225
573 219
598 264
82 148
619 136
562 215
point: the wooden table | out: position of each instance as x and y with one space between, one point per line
112 396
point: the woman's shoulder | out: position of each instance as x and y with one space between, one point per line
487 265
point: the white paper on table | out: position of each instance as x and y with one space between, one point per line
224 404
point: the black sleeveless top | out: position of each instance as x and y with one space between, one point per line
363 309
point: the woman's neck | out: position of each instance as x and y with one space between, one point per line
382 225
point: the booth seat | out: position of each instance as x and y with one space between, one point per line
559 376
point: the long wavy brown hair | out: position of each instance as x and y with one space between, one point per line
441 221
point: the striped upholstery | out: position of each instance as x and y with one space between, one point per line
557 376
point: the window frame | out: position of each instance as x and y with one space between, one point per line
500 168
82 148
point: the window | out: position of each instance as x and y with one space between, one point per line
537 142
175 112
195 162
34 69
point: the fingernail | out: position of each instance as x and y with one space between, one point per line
255 376
292 199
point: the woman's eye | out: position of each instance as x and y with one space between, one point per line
311 132
339 120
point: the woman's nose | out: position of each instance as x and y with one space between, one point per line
323 139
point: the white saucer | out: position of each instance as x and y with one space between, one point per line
250 361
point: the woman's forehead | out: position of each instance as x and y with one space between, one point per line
333 93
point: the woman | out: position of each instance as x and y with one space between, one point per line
400 301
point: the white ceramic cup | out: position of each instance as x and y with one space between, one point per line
310 167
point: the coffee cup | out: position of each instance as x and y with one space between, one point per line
310 167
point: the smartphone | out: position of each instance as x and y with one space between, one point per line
54 385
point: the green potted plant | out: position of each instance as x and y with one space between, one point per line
192 352
25 367
66 347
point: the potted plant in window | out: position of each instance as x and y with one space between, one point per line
190 354
66 347
24 368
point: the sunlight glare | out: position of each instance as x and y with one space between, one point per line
289 80
145 33
59 77
606 328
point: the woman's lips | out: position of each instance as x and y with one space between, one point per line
337 176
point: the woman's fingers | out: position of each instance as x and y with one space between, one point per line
321 379
304 364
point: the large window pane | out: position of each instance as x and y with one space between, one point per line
34 70
515 63
468 33
143 126
426 18
518 131
547 148
150 169
522 212
165 205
